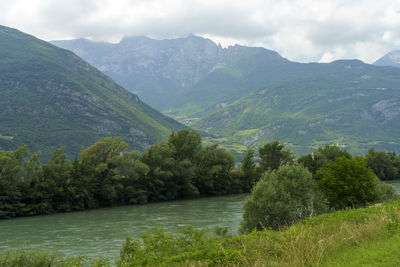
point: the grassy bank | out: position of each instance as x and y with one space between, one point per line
366 236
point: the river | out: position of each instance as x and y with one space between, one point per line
101 232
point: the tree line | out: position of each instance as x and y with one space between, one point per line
107 173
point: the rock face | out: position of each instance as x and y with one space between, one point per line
137 63
161 71
51 98
390 59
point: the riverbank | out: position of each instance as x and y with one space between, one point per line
343 238
101 232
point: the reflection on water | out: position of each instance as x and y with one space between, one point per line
101 232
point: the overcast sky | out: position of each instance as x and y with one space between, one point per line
300 30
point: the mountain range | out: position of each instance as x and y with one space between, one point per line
50 98
246 96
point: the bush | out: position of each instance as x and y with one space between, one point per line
348 182
282 197
159 248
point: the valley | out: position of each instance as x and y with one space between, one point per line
199 133
246 96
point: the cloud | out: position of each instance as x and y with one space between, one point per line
305 30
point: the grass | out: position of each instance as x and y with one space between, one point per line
320 240
383 252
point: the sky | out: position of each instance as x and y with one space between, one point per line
300 30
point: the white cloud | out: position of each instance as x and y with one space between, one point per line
298 29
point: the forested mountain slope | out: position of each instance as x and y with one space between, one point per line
353 104
50 98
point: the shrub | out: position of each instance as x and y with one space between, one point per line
348 182
282 197
159 248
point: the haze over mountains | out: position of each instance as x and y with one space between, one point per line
390 59
52 98
248 95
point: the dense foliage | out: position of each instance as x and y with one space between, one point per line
348 182
273 155
322 156
107 174
282 197
386 165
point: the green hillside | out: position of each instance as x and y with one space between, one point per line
50 97
347 102
246 96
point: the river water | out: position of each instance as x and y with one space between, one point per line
101 232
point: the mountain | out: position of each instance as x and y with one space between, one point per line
390 59
51 97
157 70
347 102
185 77
246 96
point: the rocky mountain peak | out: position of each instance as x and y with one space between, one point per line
390 59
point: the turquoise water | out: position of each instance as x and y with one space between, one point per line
101 232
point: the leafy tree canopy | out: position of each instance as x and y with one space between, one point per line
348 182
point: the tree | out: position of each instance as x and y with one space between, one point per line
248 171
322 156
348 182
273 155
186 144
57 181
32 179
214 167
132 174
160 178
100 166
386 165
282 197
12 177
